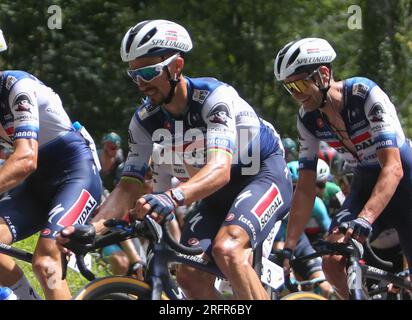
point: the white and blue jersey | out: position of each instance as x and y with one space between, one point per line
372 124
65 188
217 118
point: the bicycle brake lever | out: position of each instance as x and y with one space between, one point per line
64 262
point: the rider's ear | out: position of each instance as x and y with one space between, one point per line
180 62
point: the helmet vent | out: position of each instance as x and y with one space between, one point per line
135 30
148 36
282 55
293 57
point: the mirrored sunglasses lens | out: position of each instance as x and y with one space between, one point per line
295 86
148 74
301 85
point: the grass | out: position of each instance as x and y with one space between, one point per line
75 280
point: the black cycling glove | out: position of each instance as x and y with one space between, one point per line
82 239
360 226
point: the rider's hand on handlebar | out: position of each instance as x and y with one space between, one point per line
358 229
157 205
284 257
78 238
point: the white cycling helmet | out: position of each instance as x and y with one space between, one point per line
3 44
302 55
154 38
322 171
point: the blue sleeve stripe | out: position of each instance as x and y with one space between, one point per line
386 141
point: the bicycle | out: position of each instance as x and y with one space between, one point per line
163 250
358 271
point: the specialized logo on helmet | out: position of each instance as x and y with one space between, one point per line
219 114
23 103
313 60
376 113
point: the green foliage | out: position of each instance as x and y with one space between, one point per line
234 41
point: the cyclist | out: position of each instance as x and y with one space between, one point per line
327 190
291 151
199 120
111 159
357 118
51 179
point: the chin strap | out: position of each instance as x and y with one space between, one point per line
324 91
173 84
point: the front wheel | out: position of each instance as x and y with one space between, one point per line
303 295
116 288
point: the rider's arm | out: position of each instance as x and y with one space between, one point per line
305 191
214 175
221 137
21 163
302 205
388 137
388 180
131 185
119 202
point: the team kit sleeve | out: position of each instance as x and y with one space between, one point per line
24 107
219 116
140 150
308 146
386 129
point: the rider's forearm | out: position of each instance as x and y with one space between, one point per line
118 204
209 179
300 212
19 165
385 187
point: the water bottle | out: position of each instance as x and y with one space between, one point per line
7 294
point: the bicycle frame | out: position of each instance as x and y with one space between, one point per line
356 271
157 271
163 250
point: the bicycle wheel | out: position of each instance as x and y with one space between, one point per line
303 295
116 288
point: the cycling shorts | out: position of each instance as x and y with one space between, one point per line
307 268
50 203
397 214
254 203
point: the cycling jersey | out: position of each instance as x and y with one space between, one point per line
217 118
371 123
65 188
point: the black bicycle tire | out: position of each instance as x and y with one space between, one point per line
116 288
